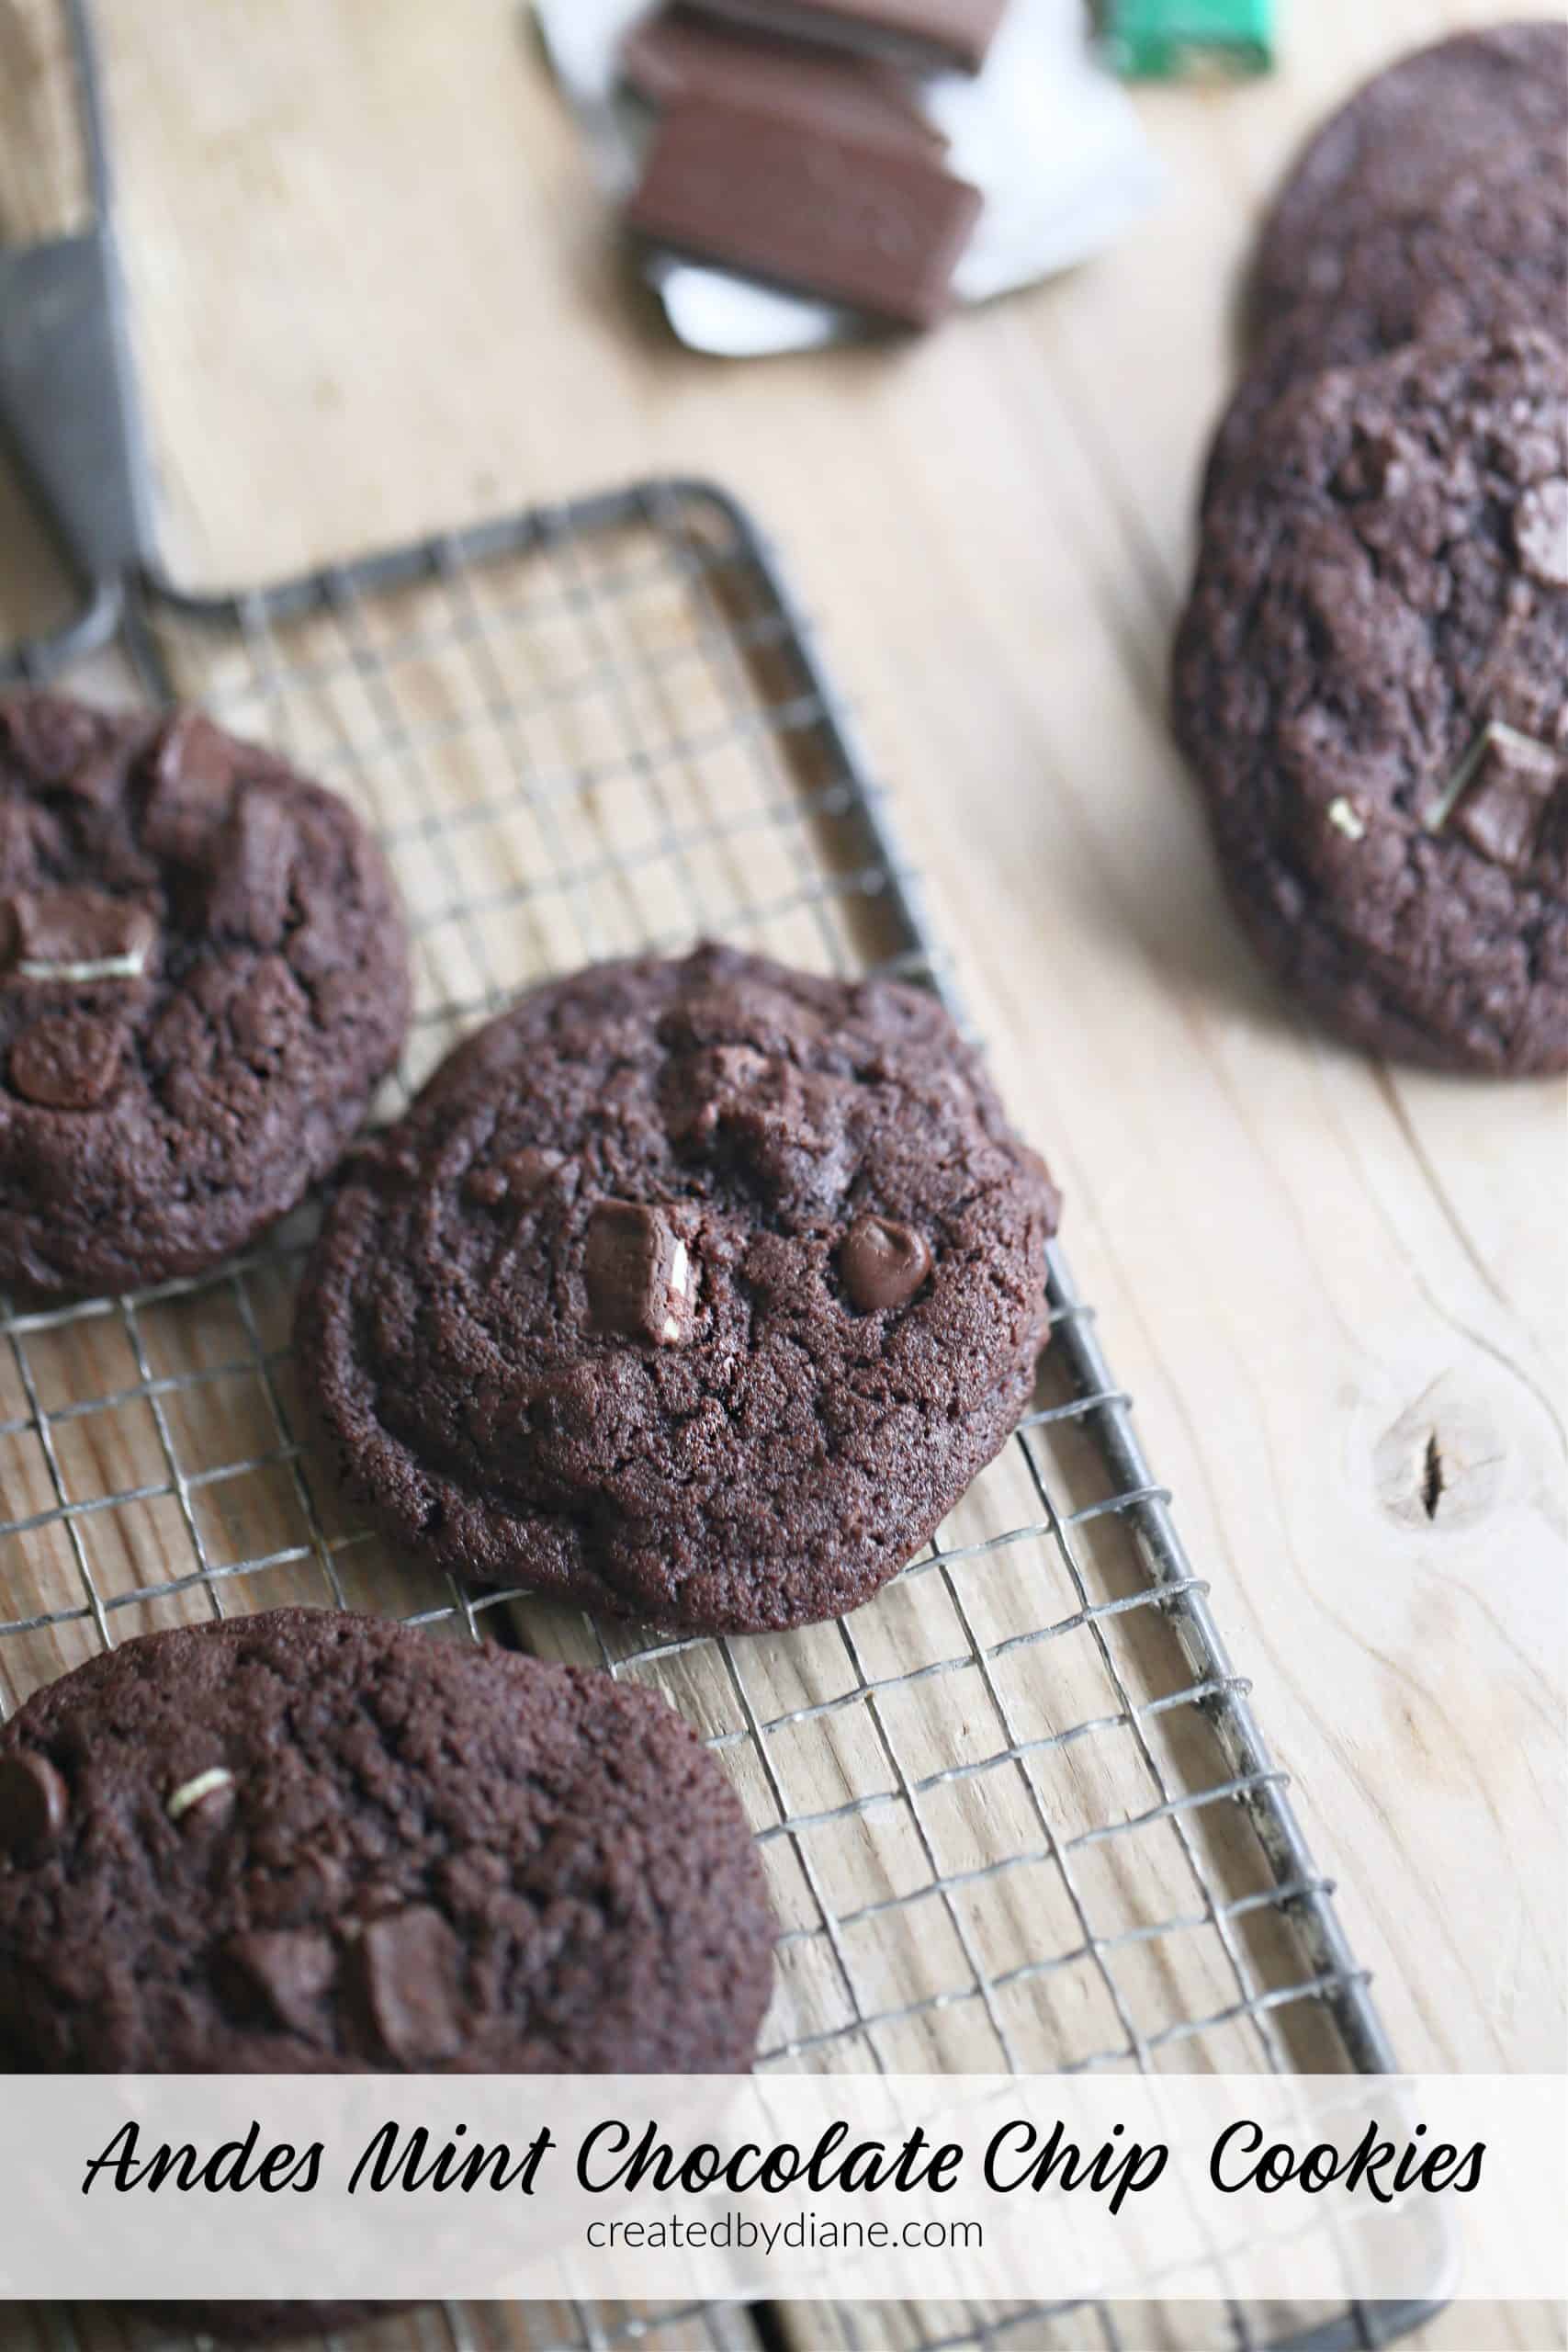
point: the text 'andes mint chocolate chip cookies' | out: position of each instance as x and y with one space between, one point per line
203 974
1368 683
304 1842
693 1290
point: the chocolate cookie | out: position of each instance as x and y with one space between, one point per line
695 1291
1434 206
203 974
1436 135
305 1842
1370 684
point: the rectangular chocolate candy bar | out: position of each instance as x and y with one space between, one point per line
876 226
675 54
927 34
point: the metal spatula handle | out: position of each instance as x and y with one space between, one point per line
66 403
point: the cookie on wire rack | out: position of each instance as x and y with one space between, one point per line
203 975
308 1842
696 1291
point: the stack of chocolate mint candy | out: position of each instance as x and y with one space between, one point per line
792 144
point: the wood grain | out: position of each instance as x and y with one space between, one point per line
375 293
43 171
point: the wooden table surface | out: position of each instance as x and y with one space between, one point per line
375 291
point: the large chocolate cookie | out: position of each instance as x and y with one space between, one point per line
308 1842
1433 135
1433 205
696 1291
203 973
1370 682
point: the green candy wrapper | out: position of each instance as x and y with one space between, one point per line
1161 40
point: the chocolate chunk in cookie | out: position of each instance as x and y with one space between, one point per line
883 1264
82 935
639 1273
407 1971
287 1974
68 1061
33 1803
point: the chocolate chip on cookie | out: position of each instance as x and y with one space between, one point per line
883 1264
408 1971
68 1061
773 1300
639 1273
33 1803
285 1974
65 937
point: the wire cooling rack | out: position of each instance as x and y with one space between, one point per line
1017 1812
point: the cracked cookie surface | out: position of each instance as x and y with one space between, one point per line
1433 205
203 974
696 1291
1370 682
305 1841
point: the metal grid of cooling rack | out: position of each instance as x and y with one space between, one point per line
1017 1812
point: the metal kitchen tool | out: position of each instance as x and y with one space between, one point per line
1017 1812
66 410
